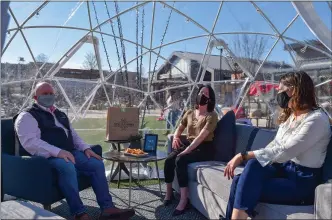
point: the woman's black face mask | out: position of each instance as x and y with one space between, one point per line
202 99
283 99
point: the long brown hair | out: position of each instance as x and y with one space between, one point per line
303 97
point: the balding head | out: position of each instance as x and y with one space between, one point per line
43 88
44 94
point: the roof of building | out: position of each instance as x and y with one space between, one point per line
215 61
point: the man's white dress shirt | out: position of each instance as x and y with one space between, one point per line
29 135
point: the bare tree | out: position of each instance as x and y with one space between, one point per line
42 58
90 62
249 49
44 63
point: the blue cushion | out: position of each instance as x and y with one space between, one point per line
7 136
245 135
262 139
41 187
327 166
224 137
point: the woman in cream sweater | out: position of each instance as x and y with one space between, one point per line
288 170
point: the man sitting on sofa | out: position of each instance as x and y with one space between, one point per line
45 131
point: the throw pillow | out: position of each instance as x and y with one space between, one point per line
225 137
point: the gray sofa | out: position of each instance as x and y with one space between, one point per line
24 210
209 189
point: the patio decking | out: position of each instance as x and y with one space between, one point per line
146 201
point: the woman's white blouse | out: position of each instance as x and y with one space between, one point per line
304 142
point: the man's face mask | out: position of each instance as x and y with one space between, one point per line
202 99
46 101
283 99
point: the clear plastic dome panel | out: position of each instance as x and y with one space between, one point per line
101 54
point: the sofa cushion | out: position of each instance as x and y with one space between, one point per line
7 136
206 202
193 167
212 177
212 206
275 211
262 139
245 135
323 201
224 137
24 210
327 166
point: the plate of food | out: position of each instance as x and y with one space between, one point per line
135 152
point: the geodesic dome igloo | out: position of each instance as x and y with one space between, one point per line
101 53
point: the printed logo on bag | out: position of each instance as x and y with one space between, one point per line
123 124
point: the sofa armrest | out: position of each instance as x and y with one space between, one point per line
97 149
323 201
24 176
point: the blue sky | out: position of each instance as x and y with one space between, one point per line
234 16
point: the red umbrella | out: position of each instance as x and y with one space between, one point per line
263 87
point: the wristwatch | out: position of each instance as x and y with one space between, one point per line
244 154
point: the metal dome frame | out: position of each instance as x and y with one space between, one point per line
213 40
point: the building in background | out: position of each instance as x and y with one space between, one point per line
218 69
318 65
77 83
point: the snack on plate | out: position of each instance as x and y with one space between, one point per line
134 151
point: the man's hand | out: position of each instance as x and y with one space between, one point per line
67 156
176 143
89 153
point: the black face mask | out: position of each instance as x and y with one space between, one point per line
283 99
202 100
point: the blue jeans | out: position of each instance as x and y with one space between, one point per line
67 180
172 117
287 184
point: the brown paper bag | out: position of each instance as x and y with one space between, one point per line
122 123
